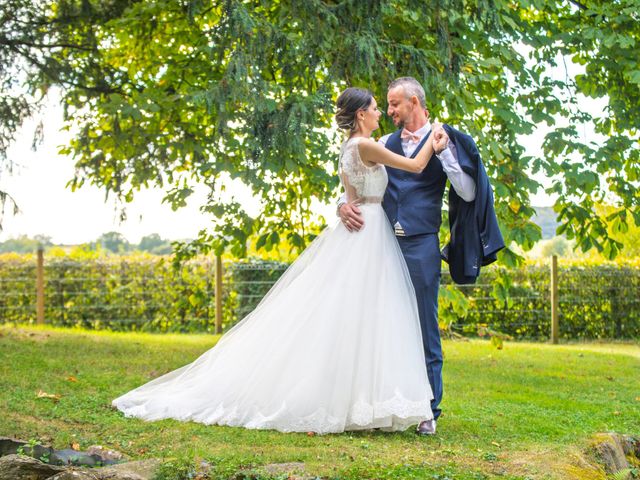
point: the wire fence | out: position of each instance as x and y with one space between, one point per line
121 293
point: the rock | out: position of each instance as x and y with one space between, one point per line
69 456
95 456
106 454
13 467
631 445
138 470
608 449
283 468
22 467
290 471
11 445
73 474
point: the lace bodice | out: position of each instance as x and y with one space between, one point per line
361 183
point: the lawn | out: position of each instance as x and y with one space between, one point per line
525 412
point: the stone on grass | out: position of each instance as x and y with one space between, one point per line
608 449
631 445
9 445
74 474
13 445
283 468
69 456
13 467
95 455
292 471
138 470
105 453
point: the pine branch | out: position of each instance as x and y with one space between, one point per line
53 75
8 42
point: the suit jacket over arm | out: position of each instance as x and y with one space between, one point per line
475 235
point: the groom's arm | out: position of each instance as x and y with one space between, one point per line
462 182
341 201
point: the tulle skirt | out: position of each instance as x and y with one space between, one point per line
335 345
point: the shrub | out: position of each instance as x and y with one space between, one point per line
144 292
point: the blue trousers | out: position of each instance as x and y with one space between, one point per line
422 254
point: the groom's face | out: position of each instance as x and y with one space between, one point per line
400 106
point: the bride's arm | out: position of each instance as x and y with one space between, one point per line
373 152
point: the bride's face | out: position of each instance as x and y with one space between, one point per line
369 118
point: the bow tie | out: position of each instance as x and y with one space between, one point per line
407 135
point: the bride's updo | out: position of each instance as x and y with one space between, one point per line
349 102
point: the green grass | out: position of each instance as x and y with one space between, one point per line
526 411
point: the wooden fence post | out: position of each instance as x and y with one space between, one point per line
40 286
555 324
218 294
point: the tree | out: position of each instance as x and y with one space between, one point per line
25 244
114 242
556 246
627 232
154 243
174 92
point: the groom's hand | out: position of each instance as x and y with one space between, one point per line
351 216
440 138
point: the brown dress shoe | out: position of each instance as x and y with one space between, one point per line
427 427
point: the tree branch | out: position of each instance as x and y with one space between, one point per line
578 4
8 42
55 77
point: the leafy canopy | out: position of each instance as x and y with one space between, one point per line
173 93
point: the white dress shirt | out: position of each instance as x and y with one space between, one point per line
461 182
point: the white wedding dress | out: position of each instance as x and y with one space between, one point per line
335 345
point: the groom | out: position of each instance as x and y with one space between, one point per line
413 203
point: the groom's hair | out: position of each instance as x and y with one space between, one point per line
411 87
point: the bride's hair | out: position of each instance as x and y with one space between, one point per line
348 104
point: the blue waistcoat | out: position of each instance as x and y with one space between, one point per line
414 199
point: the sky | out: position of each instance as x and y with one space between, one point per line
48 207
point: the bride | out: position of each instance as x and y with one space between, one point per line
335 345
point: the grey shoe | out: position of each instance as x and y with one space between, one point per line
427 427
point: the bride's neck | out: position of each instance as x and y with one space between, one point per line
361 133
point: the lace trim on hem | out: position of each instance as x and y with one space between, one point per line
395 414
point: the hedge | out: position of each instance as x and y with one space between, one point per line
144 292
